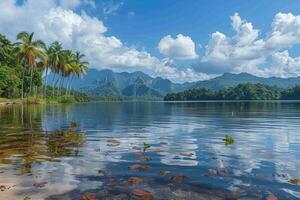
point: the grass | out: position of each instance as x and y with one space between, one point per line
36 100
62 99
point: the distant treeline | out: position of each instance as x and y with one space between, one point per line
245 91
123 98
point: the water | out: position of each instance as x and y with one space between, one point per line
41 158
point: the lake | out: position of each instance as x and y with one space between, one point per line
144 150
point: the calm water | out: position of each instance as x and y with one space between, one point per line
40 157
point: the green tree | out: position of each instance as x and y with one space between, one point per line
28 51
9 82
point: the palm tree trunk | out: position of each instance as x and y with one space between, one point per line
53 86
31 77
22 87
45 84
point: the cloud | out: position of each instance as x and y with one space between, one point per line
247 52
72 4
181 47
130 14
69 4
284 65
111 7
50 22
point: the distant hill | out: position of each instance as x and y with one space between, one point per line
107 82
231 80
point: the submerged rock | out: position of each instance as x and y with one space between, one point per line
178 178
40 185
141 194
139 167
295 181
2 188
133 181
272 197
89 196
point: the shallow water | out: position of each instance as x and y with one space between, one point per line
40 157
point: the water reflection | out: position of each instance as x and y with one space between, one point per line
185 138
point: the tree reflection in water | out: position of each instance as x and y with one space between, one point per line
23 142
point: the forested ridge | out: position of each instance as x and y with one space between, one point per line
247 91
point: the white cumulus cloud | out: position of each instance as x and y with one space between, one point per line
181 47
246 51
51 20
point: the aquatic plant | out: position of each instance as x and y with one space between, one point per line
146 146
228 140
73 124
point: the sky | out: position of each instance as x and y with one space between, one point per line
176 39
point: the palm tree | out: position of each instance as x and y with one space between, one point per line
82 65
66 67
28 51
56 58
79 68
44 65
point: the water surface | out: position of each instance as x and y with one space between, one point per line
41 156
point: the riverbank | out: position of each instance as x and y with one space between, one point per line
36 100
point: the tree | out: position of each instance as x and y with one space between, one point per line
28 51
9 82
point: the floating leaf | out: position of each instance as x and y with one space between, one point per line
89 196
133 181
187 154
139 167
295 181
40 185
142 194
228 140
146 146
178 178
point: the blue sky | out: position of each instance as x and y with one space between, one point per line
176 39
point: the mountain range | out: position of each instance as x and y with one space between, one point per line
107 82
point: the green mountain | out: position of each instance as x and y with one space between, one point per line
109 83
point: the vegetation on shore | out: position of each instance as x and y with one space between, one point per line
24 63
246 91
123 98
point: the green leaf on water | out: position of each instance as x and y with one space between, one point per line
228 140
146 146
73 124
